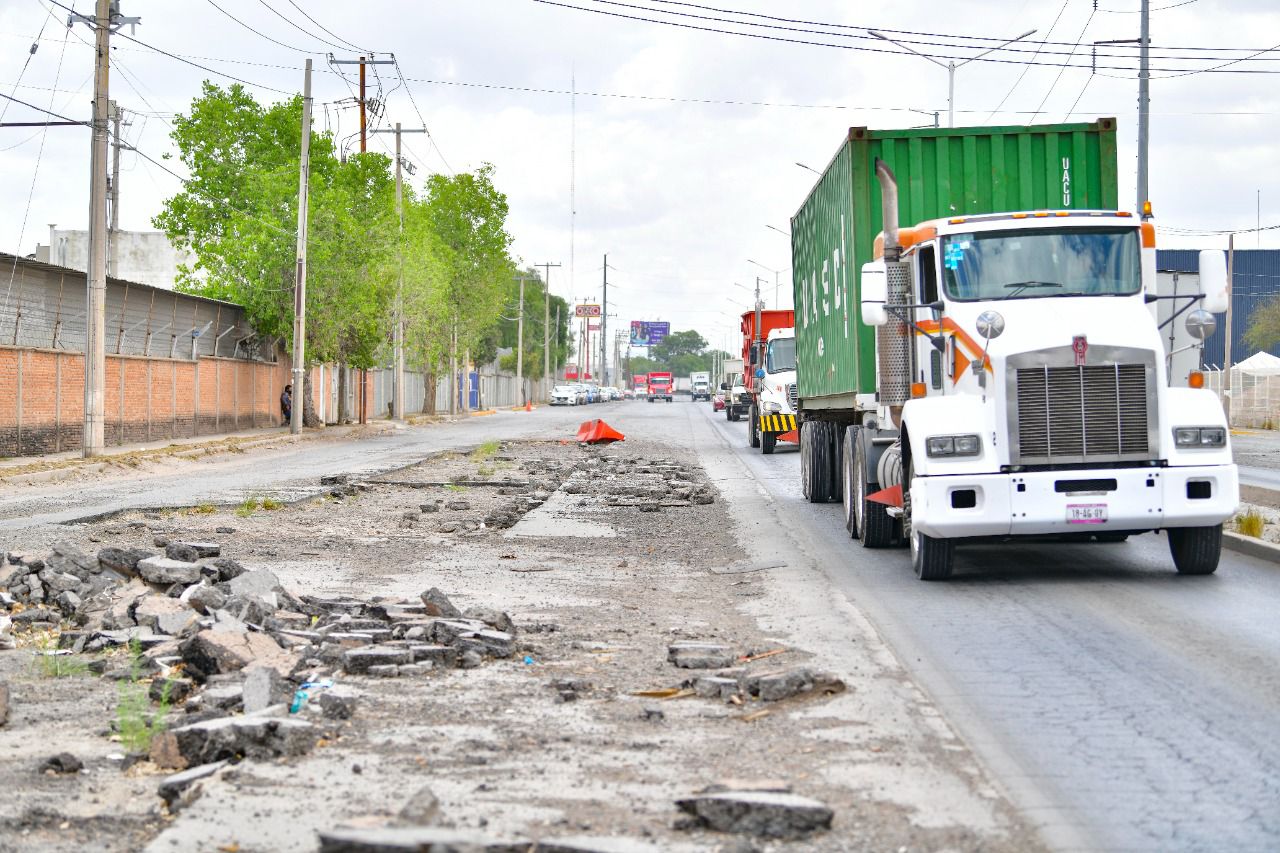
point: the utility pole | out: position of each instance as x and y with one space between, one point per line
113 226
104 21
604 326
546 327
557 332
1231 298
362 62
397 373
298 401
1144 103
520 343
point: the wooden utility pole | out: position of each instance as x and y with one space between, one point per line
113 226
297 404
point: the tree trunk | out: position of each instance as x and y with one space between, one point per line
344 414
428 393
453 371
309 417
466 381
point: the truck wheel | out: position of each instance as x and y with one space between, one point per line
848 445
1195 550
730 414
817 468
754 429
931 558
871 520
768 441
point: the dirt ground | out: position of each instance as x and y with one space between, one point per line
554 742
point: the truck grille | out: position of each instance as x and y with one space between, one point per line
1083 413
791 395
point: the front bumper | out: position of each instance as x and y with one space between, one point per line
1030 503
777 423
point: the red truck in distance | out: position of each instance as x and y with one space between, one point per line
660 385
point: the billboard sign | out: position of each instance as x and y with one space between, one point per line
586 311
645 333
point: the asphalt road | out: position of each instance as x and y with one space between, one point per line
1122 706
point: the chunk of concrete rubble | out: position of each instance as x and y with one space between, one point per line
259 737
458 505
699 655
228 569
438 604
776 685
715 687
205 598
213 652
421 809
264 687
594 844
414 840
337 706
493 618
362 660
758 813
164 571
173 787
152 607
259 583
174 691
62 763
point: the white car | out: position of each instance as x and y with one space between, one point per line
565 395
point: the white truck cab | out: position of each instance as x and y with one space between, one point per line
1023 371
775 390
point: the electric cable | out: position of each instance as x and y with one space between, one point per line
323 27
261 34
1063 69
1027 68
297 27
26 63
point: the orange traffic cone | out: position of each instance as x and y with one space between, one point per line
598 432
528 405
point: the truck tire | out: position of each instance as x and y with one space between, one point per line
817 462
871 520
1195 550
753 429
932 559
768 441
730 413
848 447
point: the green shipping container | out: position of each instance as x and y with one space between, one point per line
941 172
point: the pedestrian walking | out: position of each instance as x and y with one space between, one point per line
286 403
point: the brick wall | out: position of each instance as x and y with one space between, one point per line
146 399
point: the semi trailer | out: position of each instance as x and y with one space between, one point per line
980 356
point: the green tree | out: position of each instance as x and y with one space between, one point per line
1263 331
678 344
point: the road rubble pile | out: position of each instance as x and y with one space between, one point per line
250 668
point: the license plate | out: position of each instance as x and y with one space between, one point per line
1086 513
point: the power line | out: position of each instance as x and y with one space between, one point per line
863 48
323 27
1027 68
300 29
259 33
41 109
1139 11
164 52
1063 69
430 138
26 64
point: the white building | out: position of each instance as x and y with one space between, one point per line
146 257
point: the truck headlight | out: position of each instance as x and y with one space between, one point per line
953 445
772 408
1200 436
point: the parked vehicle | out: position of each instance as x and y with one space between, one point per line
771 377
737 400
659 386
700 385
565 395
588 392
1005 376
717 401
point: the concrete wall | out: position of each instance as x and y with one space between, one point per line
145 257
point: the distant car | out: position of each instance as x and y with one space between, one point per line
588 392
629 394
565 395
717 401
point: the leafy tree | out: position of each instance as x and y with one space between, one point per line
678 344
1263 332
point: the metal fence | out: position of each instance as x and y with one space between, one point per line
43 306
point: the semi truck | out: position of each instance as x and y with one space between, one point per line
659 385
769 351
700 385
737 401
980 355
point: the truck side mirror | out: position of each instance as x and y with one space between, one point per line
724 386
874 289
1213 280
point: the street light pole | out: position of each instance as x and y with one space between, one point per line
776 273
950 66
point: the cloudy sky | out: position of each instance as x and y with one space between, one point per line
681 144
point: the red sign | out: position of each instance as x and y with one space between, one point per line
586 311
1080 346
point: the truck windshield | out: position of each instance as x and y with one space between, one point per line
1050 262
781 355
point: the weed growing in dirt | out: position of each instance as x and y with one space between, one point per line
455 487
1250 523
486 470
271 504
202 509
247 507
53 665
485 450
135 721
